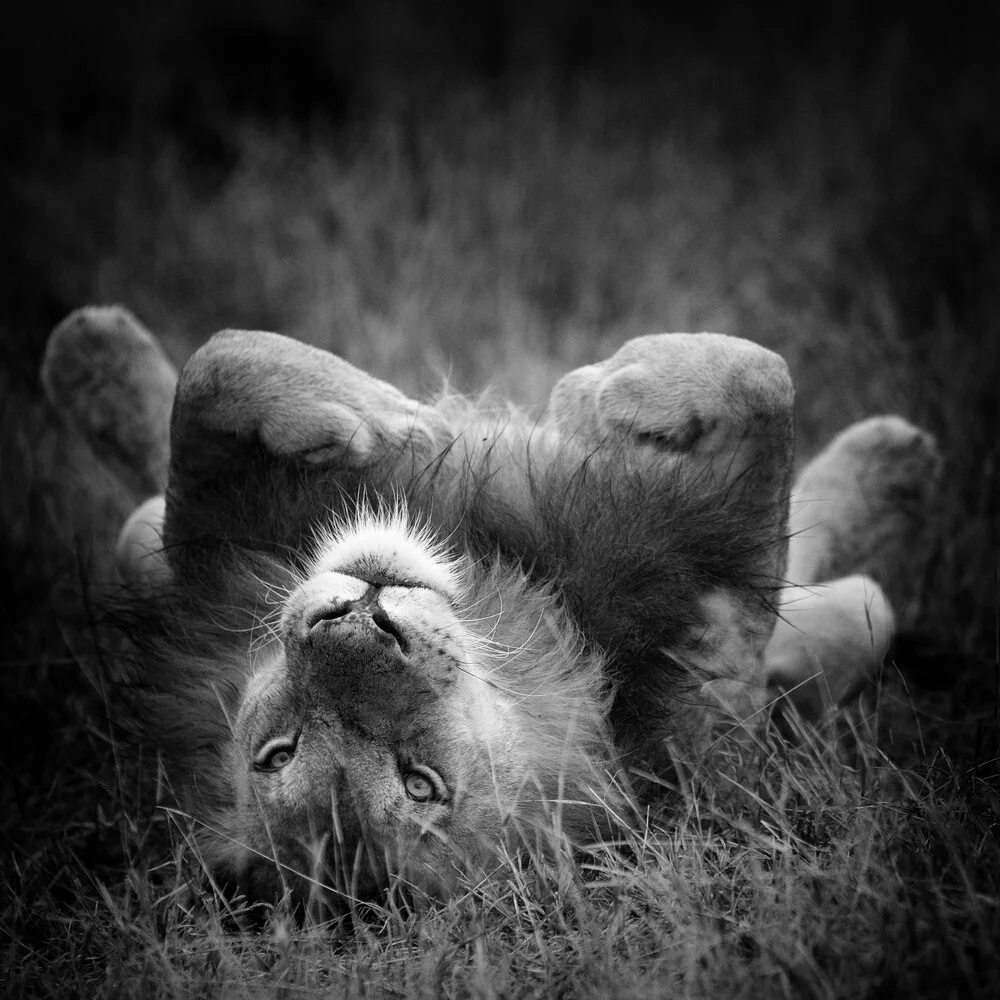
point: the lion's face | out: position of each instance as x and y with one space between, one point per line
402 720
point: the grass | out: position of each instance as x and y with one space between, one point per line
503 243
823 882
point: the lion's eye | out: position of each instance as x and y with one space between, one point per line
423 786
275 754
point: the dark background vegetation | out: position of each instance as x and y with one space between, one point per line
91 87
114 76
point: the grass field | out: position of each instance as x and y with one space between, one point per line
501 242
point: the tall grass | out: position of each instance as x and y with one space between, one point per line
501 243
504 245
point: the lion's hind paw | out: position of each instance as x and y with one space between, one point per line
109 379
868 504
829 643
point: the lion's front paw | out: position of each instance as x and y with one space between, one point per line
108 378
298 401
704 394
715 413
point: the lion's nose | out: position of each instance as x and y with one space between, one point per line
361 611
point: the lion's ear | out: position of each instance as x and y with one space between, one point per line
109 380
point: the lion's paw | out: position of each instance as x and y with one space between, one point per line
829 643
677 394
868 504
140 559
298 401
715 410
109 379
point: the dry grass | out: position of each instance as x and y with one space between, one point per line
504 245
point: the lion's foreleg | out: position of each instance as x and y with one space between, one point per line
710 416
269 434
718 410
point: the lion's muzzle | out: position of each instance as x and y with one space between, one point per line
365 612
345 643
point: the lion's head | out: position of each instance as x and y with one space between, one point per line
386 709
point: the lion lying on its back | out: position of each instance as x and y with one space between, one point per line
375 638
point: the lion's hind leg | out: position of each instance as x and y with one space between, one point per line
109 380
829 642
861 525
867 504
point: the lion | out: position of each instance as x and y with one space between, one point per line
377 640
